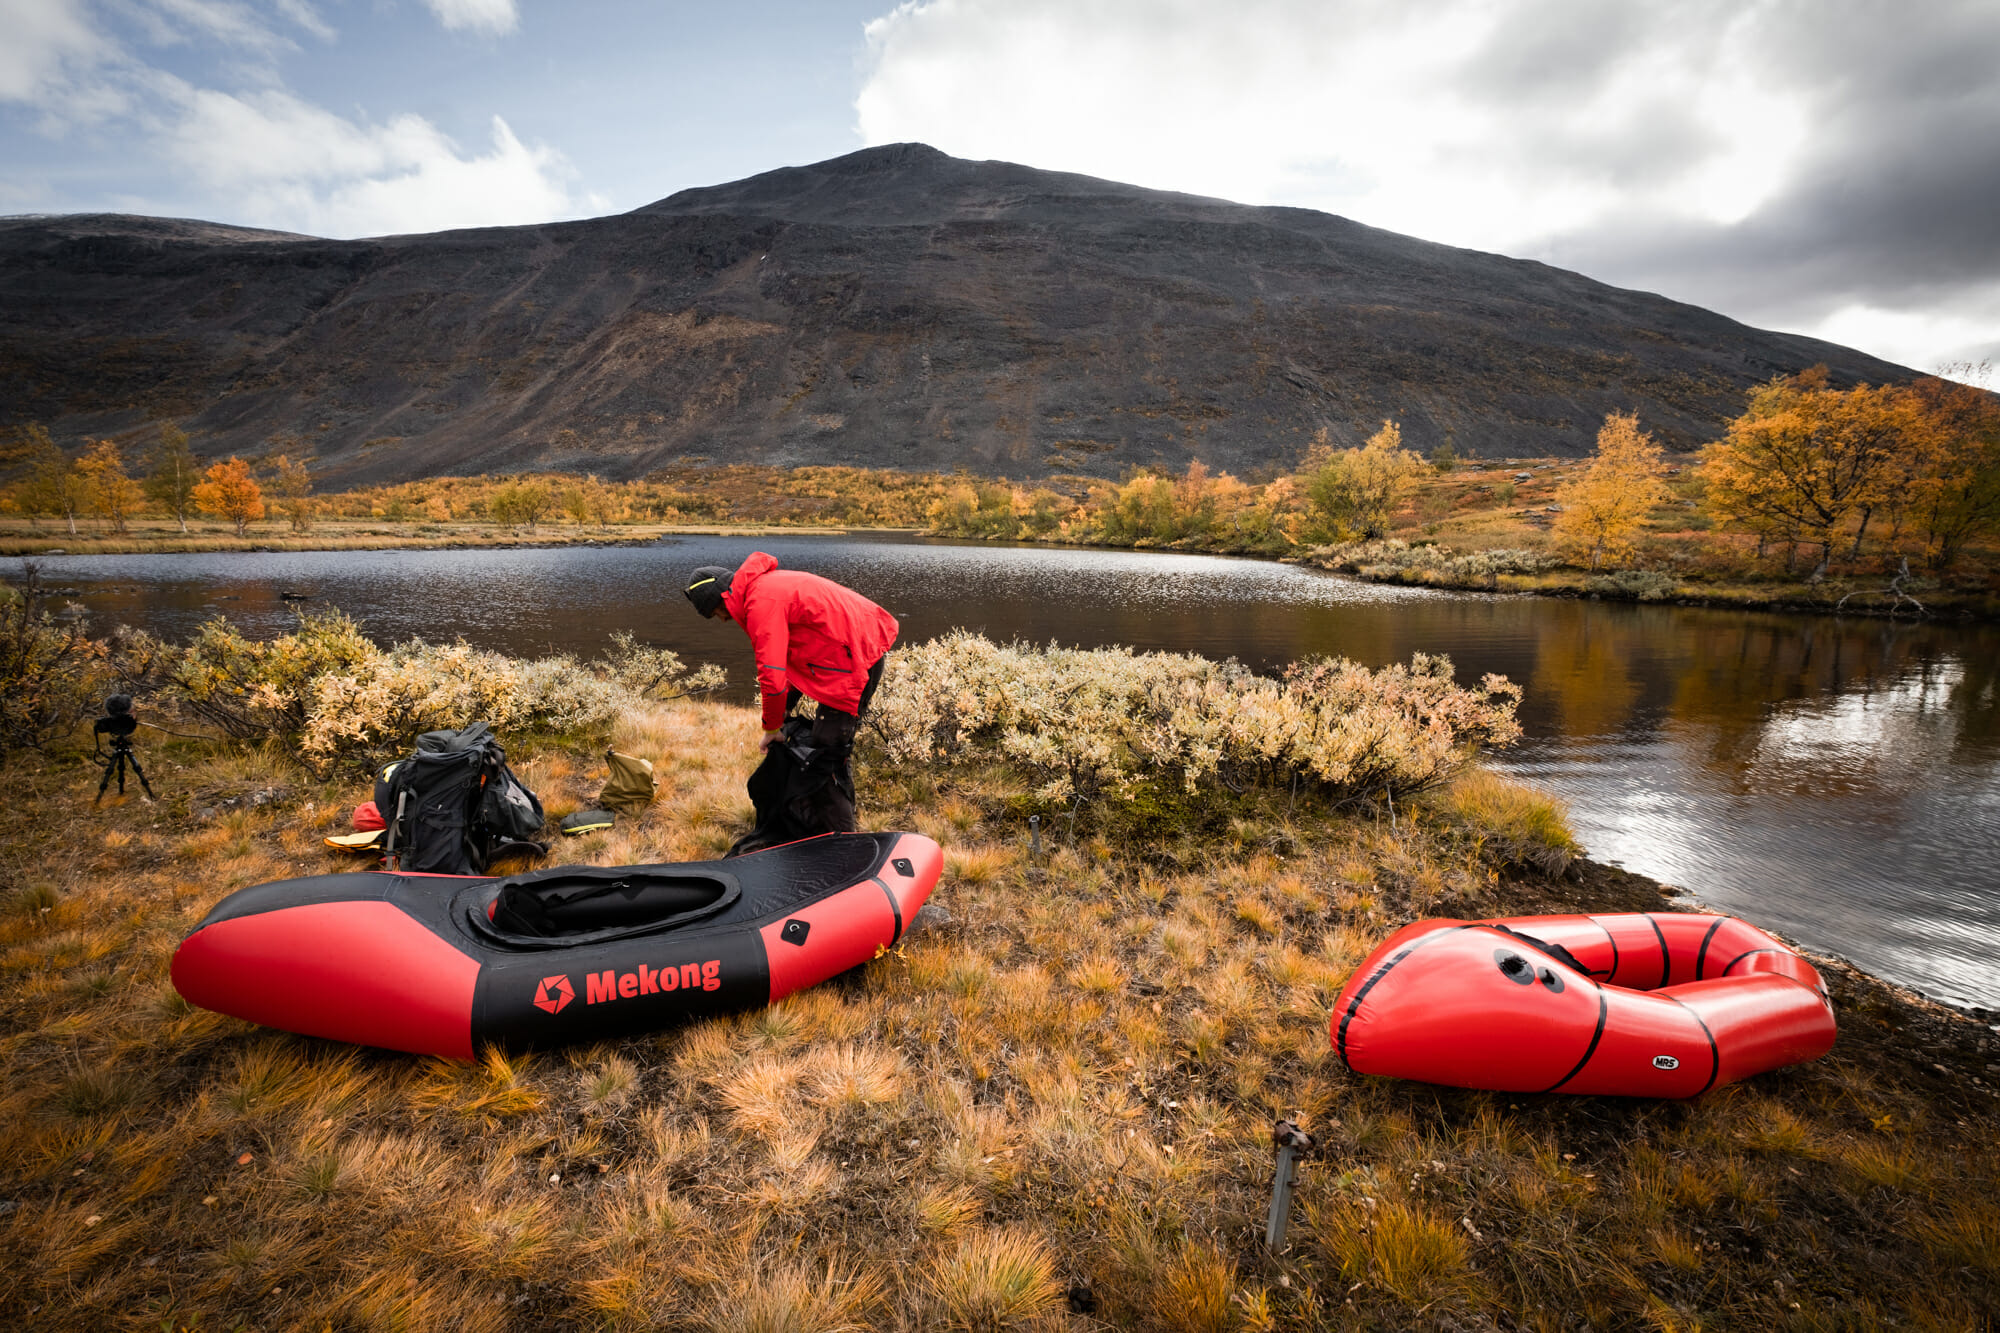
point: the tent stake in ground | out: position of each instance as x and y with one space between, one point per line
1292 1143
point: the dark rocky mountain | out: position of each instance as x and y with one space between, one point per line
892 308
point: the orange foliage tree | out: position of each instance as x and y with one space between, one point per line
1805 460
1953 494
113 496
229 491
1602 508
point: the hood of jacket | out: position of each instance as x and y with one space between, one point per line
747 573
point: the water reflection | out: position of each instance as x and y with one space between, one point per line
1839 780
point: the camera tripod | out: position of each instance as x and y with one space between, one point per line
121 755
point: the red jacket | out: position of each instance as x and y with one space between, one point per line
808 633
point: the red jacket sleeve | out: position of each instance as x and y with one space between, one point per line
770 641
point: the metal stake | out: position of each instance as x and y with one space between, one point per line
1292 1144
1034 837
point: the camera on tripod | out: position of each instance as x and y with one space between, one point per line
119 724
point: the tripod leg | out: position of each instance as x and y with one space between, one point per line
104 782
140 774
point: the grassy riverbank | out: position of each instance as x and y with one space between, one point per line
1489 529
1049 1108
1481 526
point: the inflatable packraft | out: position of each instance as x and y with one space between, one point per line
441 964
1635 1005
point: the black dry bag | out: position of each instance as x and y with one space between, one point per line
803 788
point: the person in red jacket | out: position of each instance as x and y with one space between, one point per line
811 637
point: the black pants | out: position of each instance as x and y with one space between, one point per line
835 728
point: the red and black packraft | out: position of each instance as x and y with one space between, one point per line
453 805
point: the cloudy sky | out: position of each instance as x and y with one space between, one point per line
1830 167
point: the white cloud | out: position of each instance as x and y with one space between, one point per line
303 14
1450 119
494 16
45 41
297 167
263 155
1928 340
1532 127
234 25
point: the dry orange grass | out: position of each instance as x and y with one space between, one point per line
1064 1075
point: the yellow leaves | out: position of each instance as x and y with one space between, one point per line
1804 458
1197 508
1953 466
1603 508
387 697
291 481
1356 489
110 494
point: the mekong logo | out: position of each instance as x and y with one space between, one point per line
553 994
603 987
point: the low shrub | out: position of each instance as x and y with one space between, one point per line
1094 722
247 688
1393 560
335 696
417 687
51 674
658 673
1639 585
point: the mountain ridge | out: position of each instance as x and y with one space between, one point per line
894 307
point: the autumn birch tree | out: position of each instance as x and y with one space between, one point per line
1603 508
291 484
606 505
1805 460
109 493
54 485
1357 489
576 504
1954 491
519 502
229 491
172 473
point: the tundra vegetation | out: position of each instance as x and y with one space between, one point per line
1864 498
1049 1107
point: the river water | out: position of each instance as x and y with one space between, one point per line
1838 780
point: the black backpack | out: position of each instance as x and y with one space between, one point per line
801 789
454 804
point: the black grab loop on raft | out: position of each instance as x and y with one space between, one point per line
578 905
